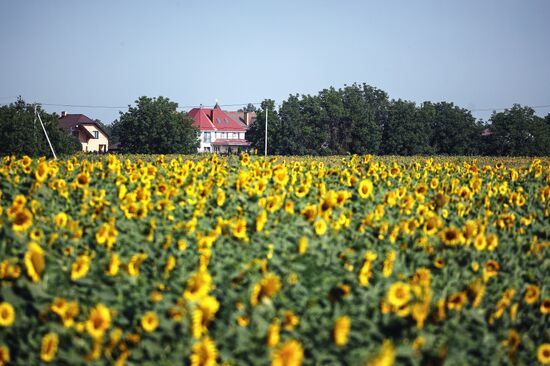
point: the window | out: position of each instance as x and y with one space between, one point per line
226 121
96 134
218 120
206 137
235 135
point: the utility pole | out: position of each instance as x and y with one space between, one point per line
44 129
266 112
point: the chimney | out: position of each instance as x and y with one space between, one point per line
247 118
63 113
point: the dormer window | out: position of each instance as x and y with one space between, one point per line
96 134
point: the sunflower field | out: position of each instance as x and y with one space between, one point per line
245 260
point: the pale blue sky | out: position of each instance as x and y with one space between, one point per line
477 54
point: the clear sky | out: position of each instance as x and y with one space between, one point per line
476 53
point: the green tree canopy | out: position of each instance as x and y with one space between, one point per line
408 129
455 131
256 133
154 126
518 131
22 134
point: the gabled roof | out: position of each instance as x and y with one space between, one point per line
201 120
70 121
215 119
240 118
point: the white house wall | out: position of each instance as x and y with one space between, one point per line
93 144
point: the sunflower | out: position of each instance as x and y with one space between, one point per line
543 353
36 234
419 313
365 188
492 242
149 321
302 245
239 229
7 314
301 191
41 172
198 286
388 264
385 356
490 269
480 242
135 262
59 306
80 267
273 333
290 320
545 306
268 286
531 294
106 235
451 236
439 263
261 220
114 265
82 180
99 321
456 301
204 353
22 220
399 294
320 226
48 350
4 355
34 261
340 331
208 306
291 353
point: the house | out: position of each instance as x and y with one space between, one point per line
91 134
220 131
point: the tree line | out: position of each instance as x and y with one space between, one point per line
355 119
360 119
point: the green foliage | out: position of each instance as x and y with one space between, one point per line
455 131
155 126
22 134
336 121
256 133
408 129
518 131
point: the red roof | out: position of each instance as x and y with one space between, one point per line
201 120
231 142
214 119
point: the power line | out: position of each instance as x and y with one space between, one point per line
501 109
224 105
126 107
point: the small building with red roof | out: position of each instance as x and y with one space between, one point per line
220 131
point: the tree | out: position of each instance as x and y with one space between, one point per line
455 131
256 132
249 108
22 134
154 126
407 130
518 131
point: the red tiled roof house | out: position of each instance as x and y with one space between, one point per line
91 135
220 131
